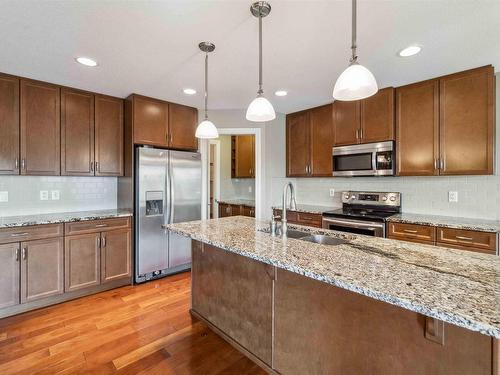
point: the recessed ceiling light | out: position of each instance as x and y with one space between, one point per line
409 51
281 93
86 61
189 91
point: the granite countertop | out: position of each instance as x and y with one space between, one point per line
238 202
448 222
457 287
62 217
308 208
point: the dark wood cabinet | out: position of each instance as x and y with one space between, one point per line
298 144
42 269
466 122
243 156
377 117
9 125
115 255
150 121
248 211
182 124
40 128
321 119
301 218
77 133
347 117
417 129
9 274
224 210
109 136
82 259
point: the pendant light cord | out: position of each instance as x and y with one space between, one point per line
354 57
260 51
206 85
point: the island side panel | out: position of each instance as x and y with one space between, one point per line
322 329
235 295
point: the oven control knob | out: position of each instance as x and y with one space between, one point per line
393 198
346 196
353 196
384 198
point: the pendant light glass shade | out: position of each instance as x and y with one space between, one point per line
206 130
260 110
355 83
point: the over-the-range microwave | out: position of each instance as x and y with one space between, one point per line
370 159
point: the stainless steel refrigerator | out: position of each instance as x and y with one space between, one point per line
168 190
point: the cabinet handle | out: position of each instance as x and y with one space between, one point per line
24 253
464 238
98 241
361 133
17 255
92 166
103 241
436 164
441 164
16 163
96 166
23 164
19 234
101 225
357 133
410 231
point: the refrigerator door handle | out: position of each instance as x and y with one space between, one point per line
171 200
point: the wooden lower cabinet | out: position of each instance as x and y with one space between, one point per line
226 210
412 232
82 259
42 269
9 274
115 255
301 218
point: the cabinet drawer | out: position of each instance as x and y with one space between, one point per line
485 241
28 233
412 232
312 220
81 227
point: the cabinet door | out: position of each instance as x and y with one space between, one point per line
40 128
77 133
115 255
347 122
243 156
82 261
417 129
182 125
248 211
9 124
224 210
235 294
150 121
9 274
298 141
42 269
108 136
321 140
467 122
377 117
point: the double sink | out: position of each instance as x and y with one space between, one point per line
315 238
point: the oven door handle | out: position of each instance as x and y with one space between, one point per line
352 224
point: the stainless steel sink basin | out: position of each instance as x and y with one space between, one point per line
296 234
323 240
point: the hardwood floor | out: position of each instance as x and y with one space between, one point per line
145 329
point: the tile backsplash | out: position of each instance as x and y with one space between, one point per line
75 194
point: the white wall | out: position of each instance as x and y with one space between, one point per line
76 194
231 188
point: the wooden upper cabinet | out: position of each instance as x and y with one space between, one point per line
417 129
108 136
298 144
40 128
322 140
182 124
150 121
9 124
77 133
467 118
243 156
377 117
347 117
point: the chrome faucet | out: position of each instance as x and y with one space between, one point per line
293 206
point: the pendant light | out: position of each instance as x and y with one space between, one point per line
356 82
206 129
260 109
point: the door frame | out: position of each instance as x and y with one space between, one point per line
260 194
216 144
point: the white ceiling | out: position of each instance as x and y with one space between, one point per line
150 47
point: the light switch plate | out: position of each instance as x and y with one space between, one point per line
4 196
332 192
54 195
249 189
44 195
453 196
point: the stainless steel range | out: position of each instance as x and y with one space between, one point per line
363 212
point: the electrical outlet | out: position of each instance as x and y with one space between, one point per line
44 195
453 196
54 195
249 189
4 196
332 192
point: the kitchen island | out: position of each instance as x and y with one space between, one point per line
369 305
